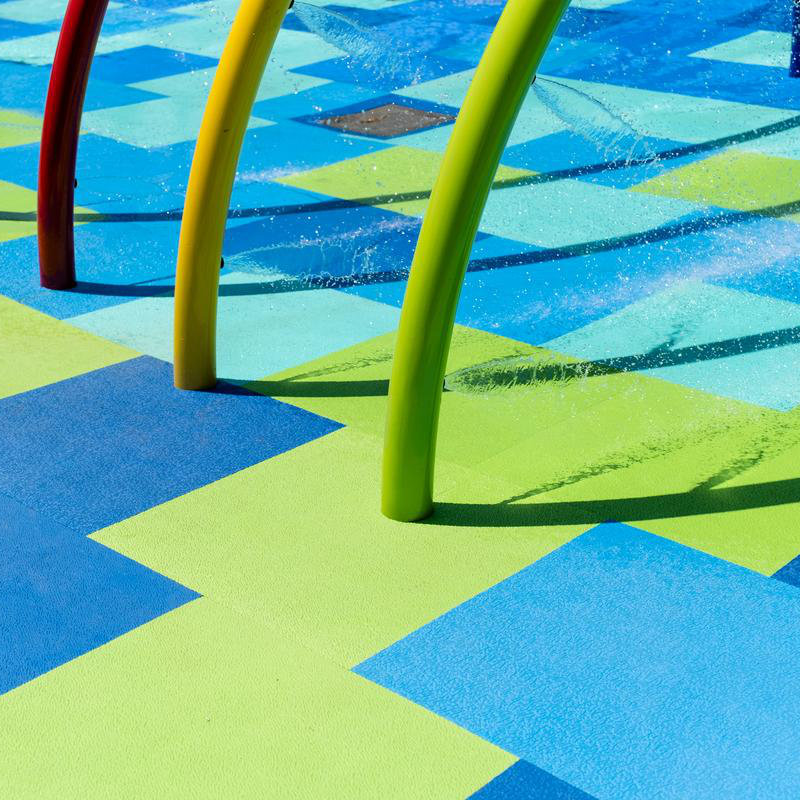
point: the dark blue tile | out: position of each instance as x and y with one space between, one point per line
63 595
790 573
146 63
95 449
12 29
524 781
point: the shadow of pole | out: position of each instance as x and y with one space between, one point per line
629 509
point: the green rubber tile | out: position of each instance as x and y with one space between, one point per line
19 199
38 349
17 128
714 474
736 179
212 704
350 386
584 445
394 170
299 541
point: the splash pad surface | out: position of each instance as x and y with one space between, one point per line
199 595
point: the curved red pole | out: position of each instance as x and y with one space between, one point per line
60 131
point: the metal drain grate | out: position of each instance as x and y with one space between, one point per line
386 121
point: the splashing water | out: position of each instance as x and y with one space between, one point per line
608 131
368 48
387 59
323 254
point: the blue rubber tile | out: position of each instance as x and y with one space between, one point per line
255 196
762 16
294 147
583 23
697 77
557 292
367 17
92 450
111 175
790 573
13 29
524 781
110 257
136 17
404 71
566 151
160 5
463 11
341 242
146 63
63 595
24 87
625 664
317 99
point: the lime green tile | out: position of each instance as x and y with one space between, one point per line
38 349
395 170
716 475
19 199
350 387
204 702
299 541
584 445
17 128
733 179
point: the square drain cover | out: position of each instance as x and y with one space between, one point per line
385 121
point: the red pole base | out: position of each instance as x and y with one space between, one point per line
60 131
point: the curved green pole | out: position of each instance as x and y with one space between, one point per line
208 194
480 134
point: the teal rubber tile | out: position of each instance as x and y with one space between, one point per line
596 5
154 123
194 86
258 333
38 11
724 341
534 121
567 212
762 48
679 117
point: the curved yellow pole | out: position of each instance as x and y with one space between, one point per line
426 324
208 194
